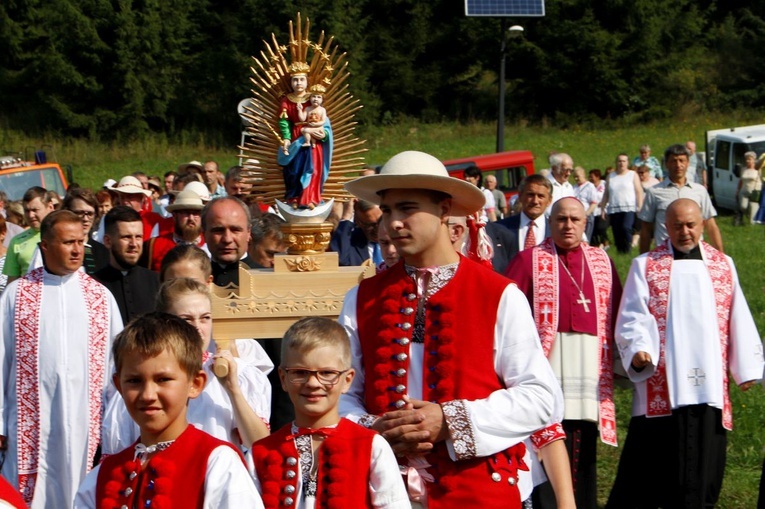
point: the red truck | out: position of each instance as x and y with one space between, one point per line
509 167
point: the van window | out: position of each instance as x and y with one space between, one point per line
722 155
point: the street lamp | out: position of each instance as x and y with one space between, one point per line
512 32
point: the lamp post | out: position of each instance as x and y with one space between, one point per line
514 31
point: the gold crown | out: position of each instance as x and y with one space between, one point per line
317 90
299 69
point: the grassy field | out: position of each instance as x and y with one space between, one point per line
590 147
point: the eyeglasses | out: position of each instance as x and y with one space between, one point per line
324 376
84 213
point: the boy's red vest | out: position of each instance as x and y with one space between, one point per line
343 474
459 365
172 478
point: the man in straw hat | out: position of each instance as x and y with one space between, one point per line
186 213
448 361
131 193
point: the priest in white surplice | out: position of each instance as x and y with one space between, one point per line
682 327
57 327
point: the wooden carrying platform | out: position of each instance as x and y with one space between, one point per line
268 301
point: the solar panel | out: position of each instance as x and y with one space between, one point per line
504 7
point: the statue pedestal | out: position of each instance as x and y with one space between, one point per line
268 301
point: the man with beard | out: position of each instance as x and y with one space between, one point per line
186 211
134 288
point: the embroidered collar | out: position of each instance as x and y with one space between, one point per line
439 276
428 281
142 451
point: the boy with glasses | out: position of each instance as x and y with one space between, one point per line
321 460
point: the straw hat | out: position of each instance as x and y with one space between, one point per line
155 184
184 168
129 185
418 170
186 200
197 187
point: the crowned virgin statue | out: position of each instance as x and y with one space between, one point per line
296 156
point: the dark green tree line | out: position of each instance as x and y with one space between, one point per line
122 68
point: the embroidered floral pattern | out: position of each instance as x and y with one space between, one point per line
27 323
367 420
460 430
548 435
305 455
436 282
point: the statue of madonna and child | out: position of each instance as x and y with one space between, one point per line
306 153
296 159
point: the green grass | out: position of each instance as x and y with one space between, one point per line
590 147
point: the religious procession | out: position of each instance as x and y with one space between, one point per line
307 331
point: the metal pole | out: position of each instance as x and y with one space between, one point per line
501 113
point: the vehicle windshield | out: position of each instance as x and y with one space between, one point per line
16 182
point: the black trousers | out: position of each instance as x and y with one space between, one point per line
682 455
622 224
581 445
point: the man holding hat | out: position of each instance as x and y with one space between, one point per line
186 210
447 357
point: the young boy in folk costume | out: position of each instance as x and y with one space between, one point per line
158 362
321 460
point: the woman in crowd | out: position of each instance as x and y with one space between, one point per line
600 228
749 190
621 201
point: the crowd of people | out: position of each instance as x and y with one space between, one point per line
477 366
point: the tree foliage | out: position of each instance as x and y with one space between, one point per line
122 68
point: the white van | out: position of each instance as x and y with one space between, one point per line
725 160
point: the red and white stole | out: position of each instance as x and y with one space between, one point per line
546 296
27 330
658 270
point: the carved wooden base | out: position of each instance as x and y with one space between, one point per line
268 301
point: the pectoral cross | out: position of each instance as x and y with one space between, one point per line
584 301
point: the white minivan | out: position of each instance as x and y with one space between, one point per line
725 160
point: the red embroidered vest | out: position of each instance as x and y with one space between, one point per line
172 478
459 365
343 473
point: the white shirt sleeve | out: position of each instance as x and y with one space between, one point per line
251 351
745 357
532 394
352 402
636 329
228 485
86 493
386 486
255 387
